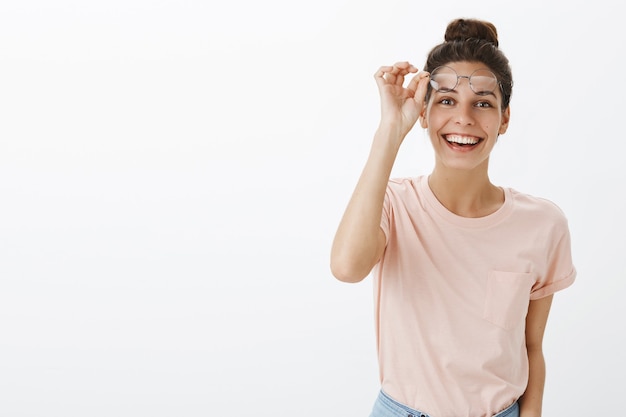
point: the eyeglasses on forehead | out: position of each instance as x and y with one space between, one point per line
482 81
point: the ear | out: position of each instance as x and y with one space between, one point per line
423 121
504 124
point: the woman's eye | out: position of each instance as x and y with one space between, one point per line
483 104
446 101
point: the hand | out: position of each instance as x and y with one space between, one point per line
401 106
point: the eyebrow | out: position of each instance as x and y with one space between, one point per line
491 93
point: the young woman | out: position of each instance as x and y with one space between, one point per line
464 271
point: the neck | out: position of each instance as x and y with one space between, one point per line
466 193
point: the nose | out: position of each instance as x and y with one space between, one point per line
464 110
464 115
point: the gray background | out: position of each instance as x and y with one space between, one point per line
172 174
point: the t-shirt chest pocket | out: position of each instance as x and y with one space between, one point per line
507 297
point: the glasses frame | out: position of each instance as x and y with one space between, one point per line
469 81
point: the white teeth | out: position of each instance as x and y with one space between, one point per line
463 140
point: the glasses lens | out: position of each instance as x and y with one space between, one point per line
443 79
483 82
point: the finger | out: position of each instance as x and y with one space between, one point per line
401 69
383 70
416 79
404 65
404 68
419 85
394 74
381 74
422 88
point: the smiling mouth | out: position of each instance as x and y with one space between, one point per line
467 141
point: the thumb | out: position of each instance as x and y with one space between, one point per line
421 81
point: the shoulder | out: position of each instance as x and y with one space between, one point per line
538 209
405 185
403 189
403 182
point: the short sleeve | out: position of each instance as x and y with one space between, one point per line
559 272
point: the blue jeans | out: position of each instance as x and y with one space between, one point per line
386 406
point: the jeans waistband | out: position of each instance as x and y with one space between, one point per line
401 410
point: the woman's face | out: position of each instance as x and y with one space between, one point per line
463 125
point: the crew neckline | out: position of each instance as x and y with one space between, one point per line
469 222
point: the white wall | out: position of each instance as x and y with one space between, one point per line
172 173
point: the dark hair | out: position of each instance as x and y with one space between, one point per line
473 40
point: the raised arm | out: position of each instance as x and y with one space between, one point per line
359 241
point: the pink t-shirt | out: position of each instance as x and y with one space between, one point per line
451 296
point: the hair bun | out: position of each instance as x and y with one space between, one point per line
463 29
